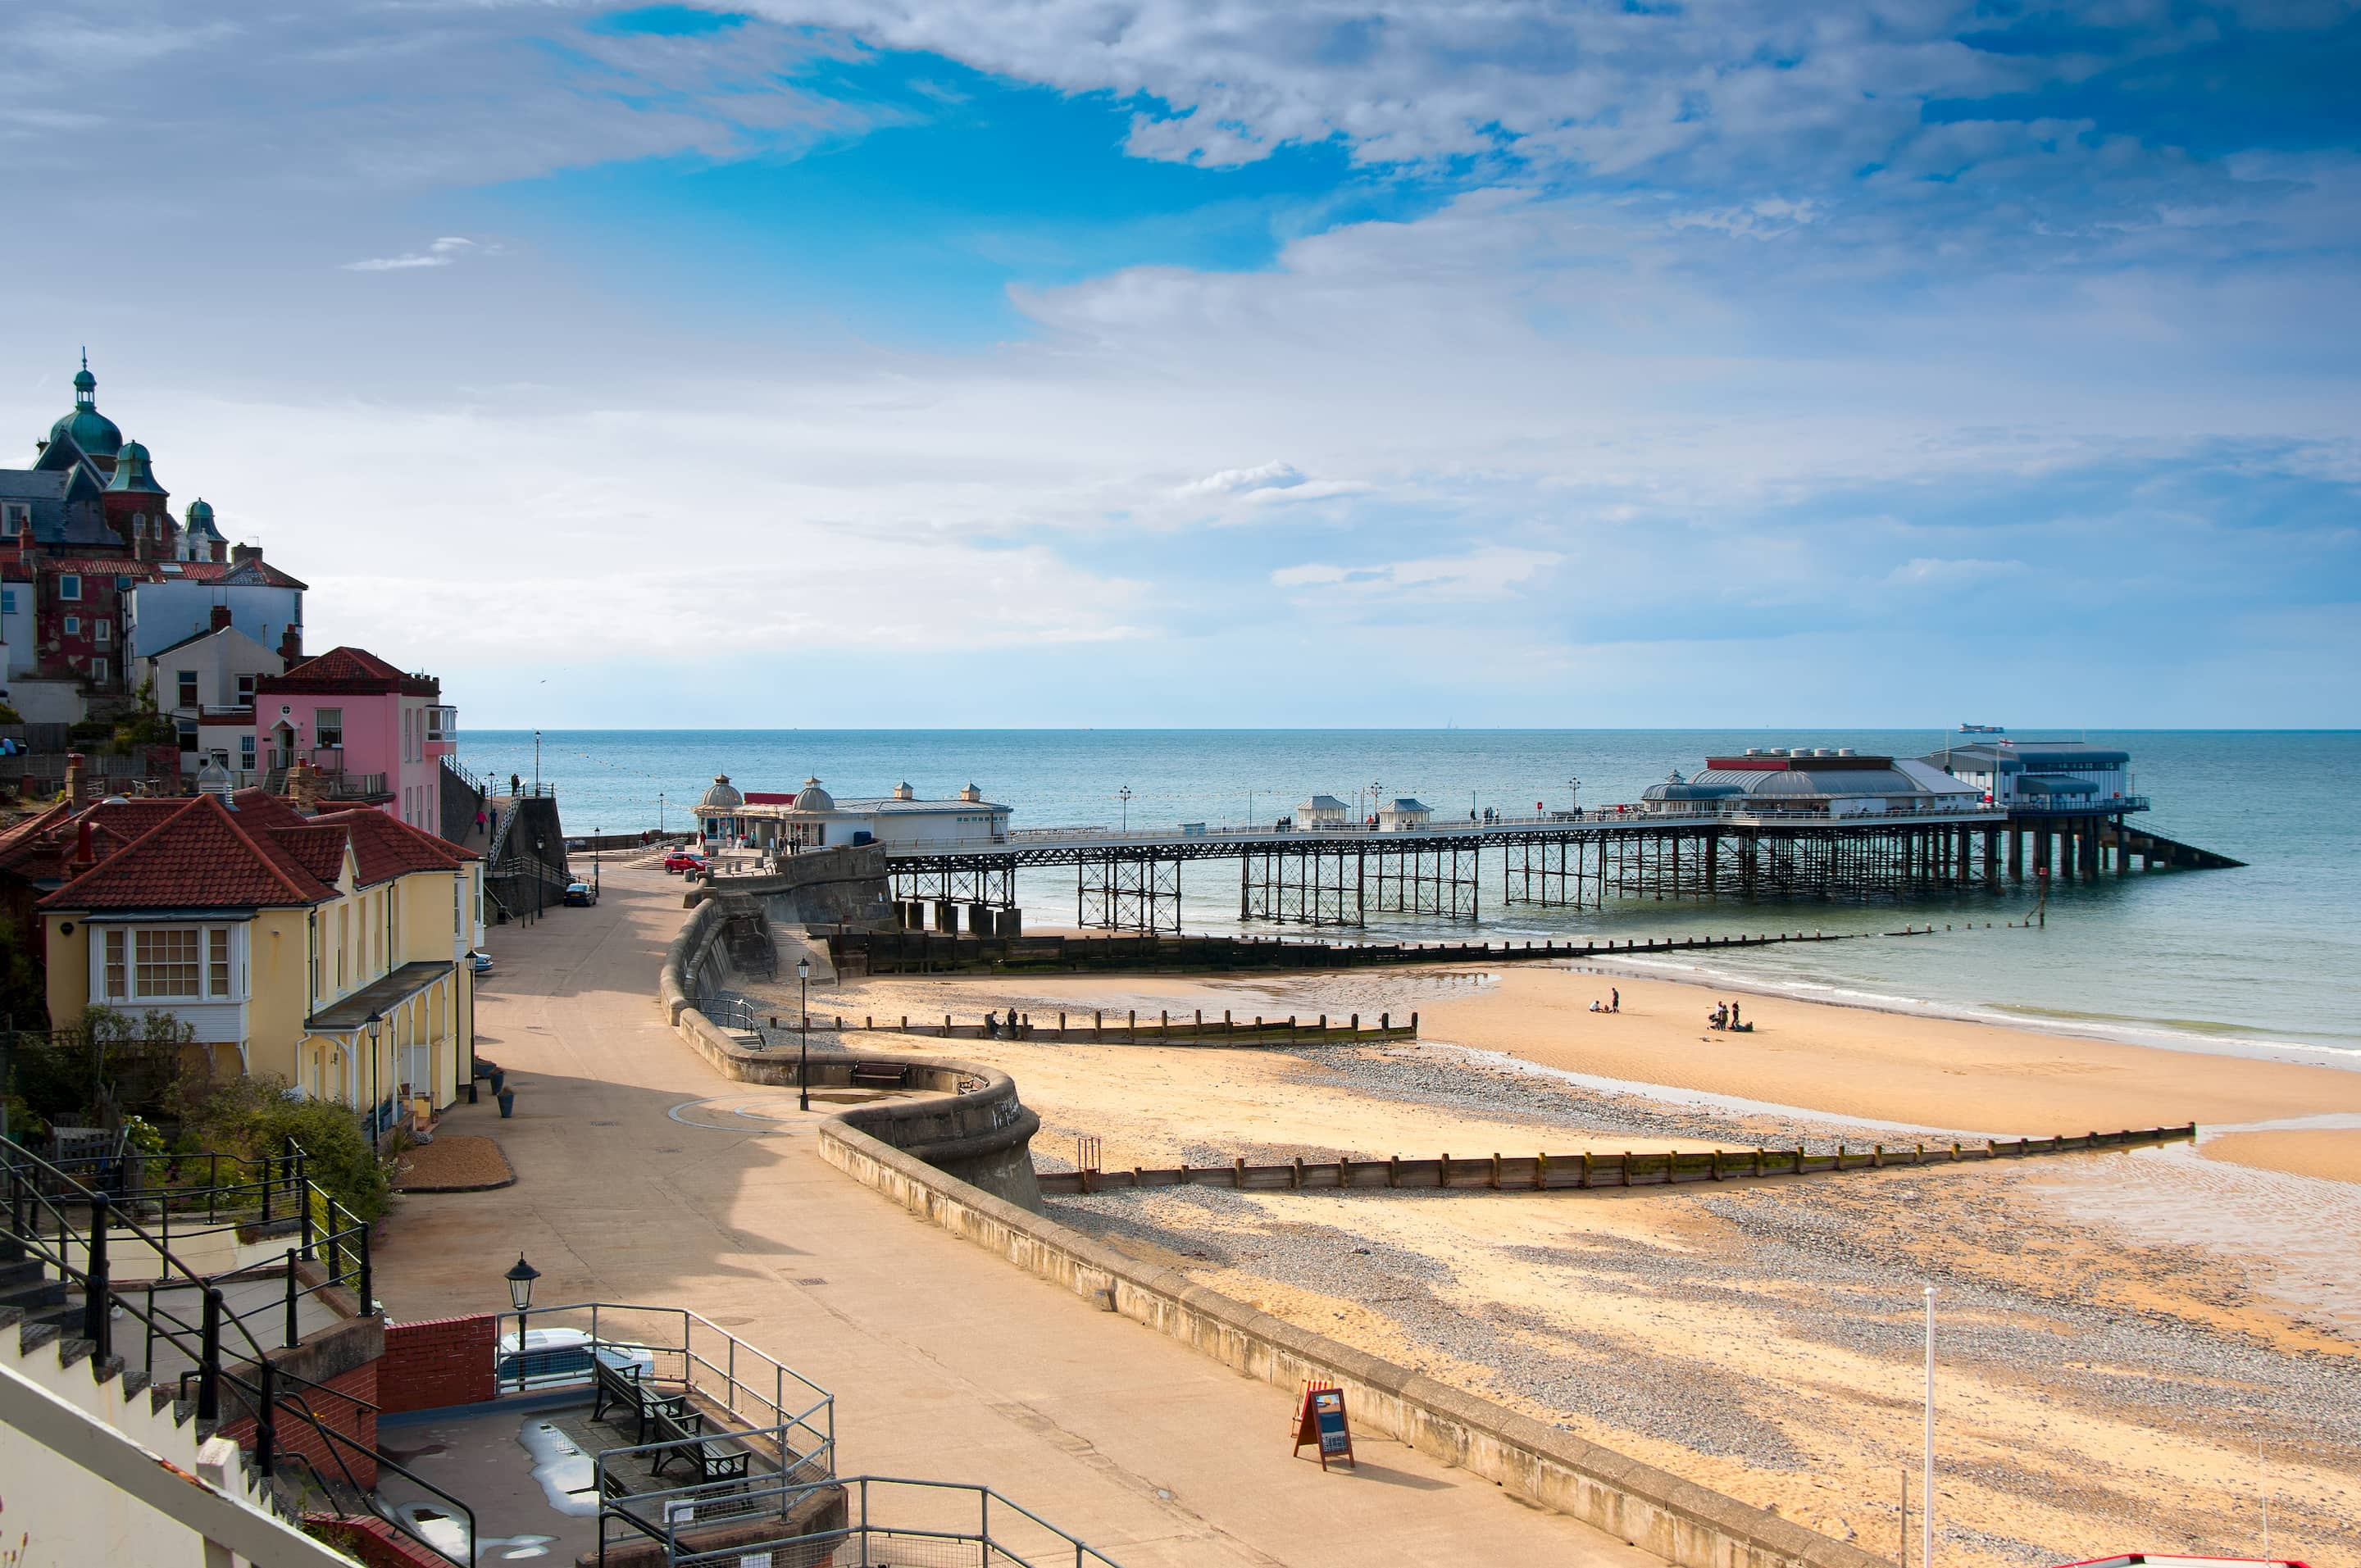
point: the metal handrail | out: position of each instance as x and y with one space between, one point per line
23 1172
1632 815
759 1363
860 1527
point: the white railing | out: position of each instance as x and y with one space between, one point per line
1732 811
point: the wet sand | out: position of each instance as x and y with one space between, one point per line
2329 1154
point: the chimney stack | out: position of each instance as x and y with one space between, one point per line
240 555
84 856
73 784
290 645
221 618
303 788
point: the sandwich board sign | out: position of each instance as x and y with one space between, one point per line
1320 1420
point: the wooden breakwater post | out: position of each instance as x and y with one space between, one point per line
1587 1172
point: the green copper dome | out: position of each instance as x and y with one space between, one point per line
131 471
93 434
201 518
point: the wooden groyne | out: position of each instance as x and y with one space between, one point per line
1129 1029
858 953
1536 1173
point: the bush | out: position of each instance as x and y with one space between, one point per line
103 1065
254 1117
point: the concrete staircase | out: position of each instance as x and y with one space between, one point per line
45 1353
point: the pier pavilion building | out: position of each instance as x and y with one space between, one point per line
812 818
1827 782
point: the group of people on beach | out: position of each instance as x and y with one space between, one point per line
1614 1003
1725 1016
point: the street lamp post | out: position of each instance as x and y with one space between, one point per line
536 761
1927 1481
803 1019
660 810
521 1280
1373 800
1573 792
1126 792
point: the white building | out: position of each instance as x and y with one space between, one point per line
2043 775
812 818
1402 815
205 684
1324 811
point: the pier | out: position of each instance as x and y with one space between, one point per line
1339 876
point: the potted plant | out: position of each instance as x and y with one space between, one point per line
508 1102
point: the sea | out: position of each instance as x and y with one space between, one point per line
2263 961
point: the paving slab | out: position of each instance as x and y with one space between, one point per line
644 1176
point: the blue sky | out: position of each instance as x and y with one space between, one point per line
1034 362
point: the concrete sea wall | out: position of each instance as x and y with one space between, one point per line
964 1119
1676 1519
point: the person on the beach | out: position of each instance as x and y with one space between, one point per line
1733 1014
1616 1004
990 1026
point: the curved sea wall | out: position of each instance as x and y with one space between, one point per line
967 1122
1676 1519
846 886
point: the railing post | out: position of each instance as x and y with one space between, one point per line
265 1430
209 1360
303 1204
367 1302
293 1337
95 1300
266 1189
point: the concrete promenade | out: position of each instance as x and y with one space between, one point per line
644 1176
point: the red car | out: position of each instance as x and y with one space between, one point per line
684 860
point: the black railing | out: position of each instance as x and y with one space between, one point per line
67 1226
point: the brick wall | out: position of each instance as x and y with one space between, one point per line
374 1542
293 1435
437 1362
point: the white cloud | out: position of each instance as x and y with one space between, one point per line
1928 571
1486 574
395 263
1273 474
443 252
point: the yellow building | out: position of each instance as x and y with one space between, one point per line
329 951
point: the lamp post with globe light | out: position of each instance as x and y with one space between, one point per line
802 1069
521 1280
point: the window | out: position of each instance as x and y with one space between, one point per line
73 625
13 517
217 961
245 752
7 601
328 726
104 629
98 672
70 585
188 727
245 691
138 525
164 963
114 969
188 688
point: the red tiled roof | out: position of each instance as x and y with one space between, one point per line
257 807
345 663
199 857
353 669
386 846
44 848
768 797
319 850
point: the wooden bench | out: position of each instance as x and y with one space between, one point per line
716 1459
880 1075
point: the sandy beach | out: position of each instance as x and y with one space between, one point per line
2118 1331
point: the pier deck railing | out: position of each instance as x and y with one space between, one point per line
1552 823
1548 1172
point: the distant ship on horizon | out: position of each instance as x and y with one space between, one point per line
1983 729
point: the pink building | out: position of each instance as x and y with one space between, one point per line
375 735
